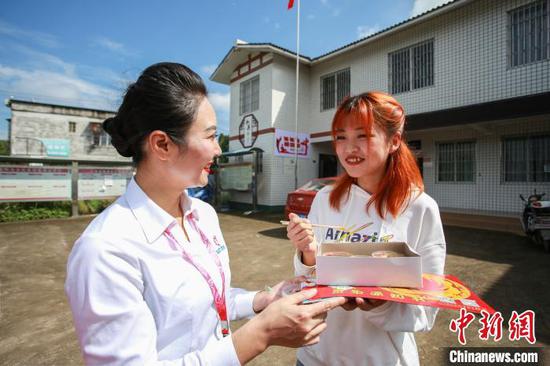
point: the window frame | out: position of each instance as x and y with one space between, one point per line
102 139
337 96
528 149
72 127
454 161
523 9
410 67
254 104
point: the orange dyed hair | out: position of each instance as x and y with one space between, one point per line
402 174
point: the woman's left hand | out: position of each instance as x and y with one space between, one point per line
363 304
273 293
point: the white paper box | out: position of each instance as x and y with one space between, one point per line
403 271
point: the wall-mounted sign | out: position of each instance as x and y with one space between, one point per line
248 130
285 144
24 183
57 147
102 183
236 177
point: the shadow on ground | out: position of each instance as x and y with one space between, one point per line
272 217
279 233
524 285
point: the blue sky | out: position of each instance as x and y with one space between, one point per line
85 53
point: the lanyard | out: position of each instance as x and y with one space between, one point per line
219 298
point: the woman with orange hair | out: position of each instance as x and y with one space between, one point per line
379 197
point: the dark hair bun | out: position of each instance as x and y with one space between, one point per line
165 97
118 140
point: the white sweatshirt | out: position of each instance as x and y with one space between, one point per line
382 336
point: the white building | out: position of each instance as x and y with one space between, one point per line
472 75
49 130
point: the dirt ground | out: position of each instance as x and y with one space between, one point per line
504 269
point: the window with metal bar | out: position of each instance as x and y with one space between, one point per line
422 72
100 138
456 161
334 88
526 159
529 33
411 67
249 96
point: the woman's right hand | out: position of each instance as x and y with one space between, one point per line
300 233
287 322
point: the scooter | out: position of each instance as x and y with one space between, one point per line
535 219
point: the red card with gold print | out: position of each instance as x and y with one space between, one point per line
438 291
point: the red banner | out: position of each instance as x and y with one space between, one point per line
437 291
290 4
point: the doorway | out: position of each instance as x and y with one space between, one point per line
416 148
328 165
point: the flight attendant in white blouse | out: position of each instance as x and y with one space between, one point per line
148 281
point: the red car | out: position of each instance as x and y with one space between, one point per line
299 201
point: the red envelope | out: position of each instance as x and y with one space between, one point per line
438 291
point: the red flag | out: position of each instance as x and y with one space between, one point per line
290 4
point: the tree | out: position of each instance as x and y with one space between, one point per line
223 140
4 147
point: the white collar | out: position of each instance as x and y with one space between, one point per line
150 216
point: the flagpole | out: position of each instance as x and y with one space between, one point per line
296 109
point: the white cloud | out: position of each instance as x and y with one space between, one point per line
112 46
43 39
311 16
366 30
108 76
47 78
335 12
56 87
421 6
220 102
277 25
208 69
41 60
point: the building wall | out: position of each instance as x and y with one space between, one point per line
264 117
277 110
263 114
284 94
488 192
39 122
470 60
281 168
471 66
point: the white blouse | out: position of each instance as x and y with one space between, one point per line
135 300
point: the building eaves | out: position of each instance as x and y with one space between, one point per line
443 7
270 47
291 53
450 5
9 101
